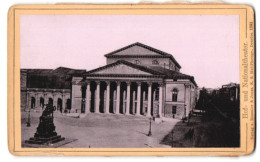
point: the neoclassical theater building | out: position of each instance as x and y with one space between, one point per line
137 80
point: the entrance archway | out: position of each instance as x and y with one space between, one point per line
59 105
50 101
32 102
42 102
68 105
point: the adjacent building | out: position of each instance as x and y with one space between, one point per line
40 86
230 91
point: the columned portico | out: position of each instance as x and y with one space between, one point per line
127 97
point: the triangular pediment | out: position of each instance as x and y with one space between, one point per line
122 68
137 49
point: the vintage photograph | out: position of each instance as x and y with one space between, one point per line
129 81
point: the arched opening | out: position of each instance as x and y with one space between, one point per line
68 105
59 105
50 101
42 102
32 103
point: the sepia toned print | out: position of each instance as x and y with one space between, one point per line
98 83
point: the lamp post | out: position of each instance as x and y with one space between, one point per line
172 137
184 114
150 128
29 118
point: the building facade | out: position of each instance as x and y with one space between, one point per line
137 80
42 86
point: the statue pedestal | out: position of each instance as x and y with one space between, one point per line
46 133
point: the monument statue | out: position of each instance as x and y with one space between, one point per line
46 133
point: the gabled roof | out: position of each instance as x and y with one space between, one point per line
153 52
173 74
122 62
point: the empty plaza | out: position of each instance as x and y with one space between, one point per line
105 130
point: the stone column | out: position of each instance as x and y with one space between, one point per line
149 105
118 97
138 98
88 97
63 102
128 98
107 97
160 99
97 97
236 93
55 100
187 100
45 98
36 100
85 101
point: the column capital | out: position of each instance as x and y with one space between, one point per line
149 83
161 84
97 82
139 83
86 82
118 82
108 82
128 83
187 85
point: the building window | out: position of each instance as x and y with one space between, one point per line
174 95
174 109
137 62
155 62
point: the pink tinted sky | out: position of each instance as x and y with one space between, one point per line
206 46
